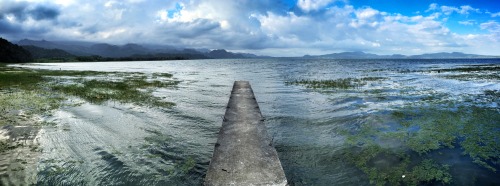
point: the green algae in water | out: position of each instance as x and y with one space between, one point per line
127 91
19 107
394 166
423 128
471 77
343 83
472 68
477 126
135 88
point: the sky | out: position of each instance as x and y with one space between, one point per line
264 27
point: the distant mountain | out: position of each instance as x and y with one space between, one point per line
445 55
42 43
12 53
38 52
107 50
347 55
223 54
132 50
75 48
362 55
248 55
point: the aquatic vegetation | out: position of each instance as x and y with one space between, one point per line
472 68
343 83
422 127
470 77
21 106
471 72
126 87
385 166
126 91
481 137
5 146
338 83
474 128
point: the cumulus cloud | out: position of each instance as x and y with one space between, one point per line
433 6
467 22
21 11
492 26
448 10
312 5
265 27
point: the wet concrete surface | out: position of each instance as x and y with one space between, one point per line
244 154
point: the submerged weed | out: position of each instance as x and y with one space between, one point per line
470 77
423 129
472 68
29 92
394 167
345 83
126 91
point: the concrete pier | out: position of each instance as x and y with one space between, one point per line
244 154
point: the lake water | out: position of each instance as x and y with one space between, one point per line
120 144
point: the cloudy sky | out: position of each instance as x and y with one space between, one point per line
266 27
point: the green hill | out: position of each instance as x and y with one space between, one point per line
48 55
11 53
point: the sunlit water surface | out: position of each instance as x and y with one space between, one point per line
120 144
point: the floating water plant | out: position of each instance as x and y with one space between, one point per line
472 68
127 91
343 83
385 166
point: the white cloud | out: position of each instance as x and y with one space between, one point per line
491 25
259 26
312 5
447 10
432 7
495 14
465 9
467 22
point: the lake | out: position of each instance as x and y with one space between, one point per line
394 122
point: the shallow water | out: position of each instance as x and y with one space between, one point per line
117 144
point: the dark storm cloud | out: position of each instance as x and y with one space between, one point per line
195 28
44 12
16 9
7 28
23 10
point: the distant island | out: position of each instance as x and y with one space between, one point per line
73 51
362 55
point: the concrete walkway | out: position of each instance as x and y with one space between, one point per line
243 154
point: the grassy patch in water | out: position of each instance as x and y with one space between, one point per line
343 83
472 68
19 107
127 87
5 146
130 90
27 95
472 72
470 77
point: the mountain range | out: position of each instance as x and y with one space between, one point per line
363 55
129 50
60 51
